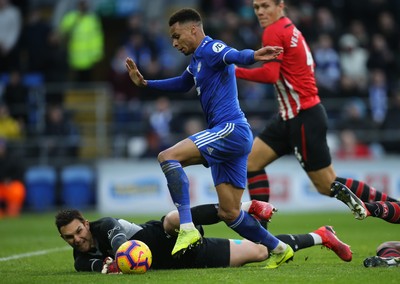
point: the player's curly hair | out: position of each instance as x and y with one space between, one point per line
185 15
64 217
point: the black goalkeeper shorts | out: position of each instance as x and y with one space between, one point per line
212 252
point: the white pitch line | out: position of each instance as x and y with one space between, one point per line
34 253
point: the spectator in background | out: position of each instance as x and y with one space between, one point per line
16 98
248 26
12 189
353 61
351 148
120 81
10 30
378 98
35 41
325 22
82 32
355 116
231 30
42 48
61 136
391 125
253 93
348 88
327 70
139 49
57 67
135 23
192 125
304 18
161 48
388 27
161 122
127 106
381 56
10 128
358 29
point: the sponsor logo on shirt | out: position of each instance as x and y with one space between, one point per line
218 47
110 233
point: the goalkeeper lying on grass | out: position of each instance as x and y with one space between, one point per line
95 243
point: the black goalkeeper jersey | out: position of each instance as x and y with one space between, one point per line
109 233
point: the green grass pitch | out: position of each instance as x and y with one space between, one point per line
31 251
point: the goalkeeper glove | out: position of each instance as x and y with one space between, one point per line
110 266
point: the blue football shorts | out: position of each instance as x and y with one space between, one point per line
226 148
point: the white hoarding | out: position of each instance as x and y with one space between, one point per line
140 187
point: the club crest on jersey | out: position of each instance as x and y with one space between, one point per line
218 47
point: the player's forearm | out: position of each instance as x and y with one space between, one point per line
265 74
117 241
182 83
243 57
169 85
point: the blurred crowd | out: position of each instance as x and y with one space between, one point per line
355 45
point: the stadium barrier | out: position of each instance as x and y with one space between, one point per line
139 187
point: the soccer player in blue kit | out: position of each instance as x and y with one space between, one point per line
225 145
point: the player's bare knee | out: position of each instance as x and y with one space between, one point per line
162 156
228 216
263 253
171 222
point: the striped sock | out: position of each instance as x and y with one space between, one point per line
388 211
258 185
365 192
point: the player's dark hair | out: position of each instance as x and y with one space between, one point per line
277 2
64 217
185 15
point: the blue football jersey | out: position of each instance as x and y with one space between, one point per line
215 83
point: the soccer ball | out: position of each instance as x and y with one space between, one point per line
133 257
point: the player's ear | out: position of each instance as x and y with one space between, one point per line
193 29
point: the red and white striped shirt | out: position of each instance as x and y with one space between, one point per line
292 73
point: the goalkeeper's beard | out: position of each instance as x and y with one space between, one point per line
82 246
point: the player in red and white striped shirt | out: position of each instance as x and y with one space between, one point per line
301 126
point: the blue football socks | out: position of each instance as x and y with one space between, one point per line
249 228
178 185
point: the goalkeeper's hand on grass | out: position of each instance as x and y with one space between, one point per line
110 266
